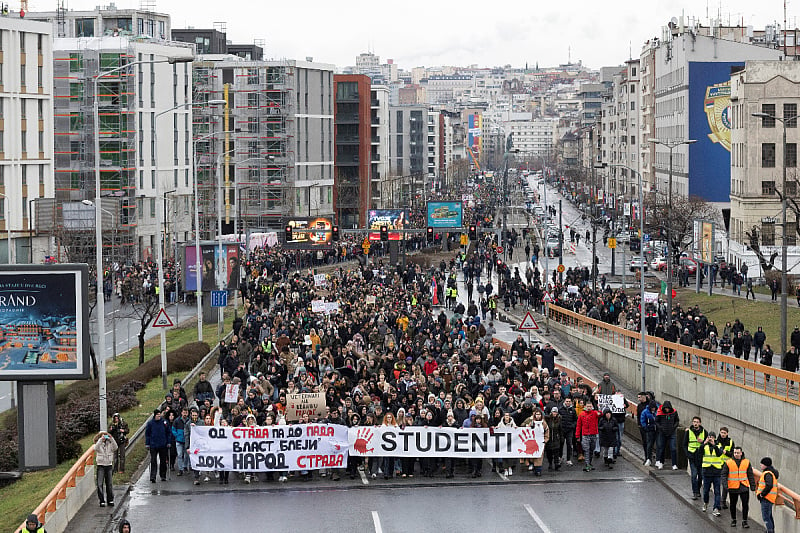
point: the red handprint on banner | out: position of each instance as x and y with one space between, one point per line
363 438
529 441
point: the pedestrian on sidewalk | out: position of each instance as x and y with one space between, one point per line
105 448
713 461
749 289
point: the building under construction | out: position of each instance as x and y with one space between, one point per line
271 144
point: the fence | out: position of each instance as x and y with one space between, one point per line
773 382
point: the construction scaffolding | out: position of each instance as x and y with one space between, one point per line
74 116
260 110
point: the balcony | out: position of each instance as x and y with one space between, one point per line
347 118
347 160
347 139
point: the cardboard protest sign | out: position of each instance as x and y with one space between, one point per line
298 404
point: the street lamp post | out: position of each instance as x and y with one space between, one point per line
784 249
114 315
101 310
198 258
670 145
220 256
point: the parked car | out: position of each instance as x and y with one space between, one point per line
637 262
689 263
659 263
553 246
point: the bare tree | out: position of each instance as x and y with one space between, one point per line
754 244
139 293
678 222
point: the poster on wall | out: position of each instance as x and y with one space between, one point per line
44 322
710 125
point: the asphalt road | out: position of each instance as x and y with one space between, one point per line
614 500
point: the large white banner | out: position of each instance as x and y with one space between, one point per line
523 443
269 448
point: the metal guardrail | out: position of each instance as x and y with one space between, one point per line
773 382
694 360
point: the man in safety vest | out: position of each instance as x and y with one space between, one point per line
695 436
32 525
737 475
727 445
713 461
767 492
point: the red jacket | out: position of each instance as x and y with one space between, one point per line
430 366
587 423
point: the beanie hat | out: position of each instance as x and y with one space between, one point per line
766 461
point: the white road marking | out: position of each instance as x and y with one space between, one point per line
376 521
536 519
363 477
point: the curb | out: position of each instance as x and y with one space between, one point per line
698 511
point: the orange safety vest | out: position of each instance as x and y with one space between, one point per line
737 475
772 494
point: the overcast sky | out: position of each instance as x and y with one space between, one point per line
448 32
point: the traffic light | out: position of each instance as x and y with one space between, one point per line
287 231
430 234
473 232
335 234
384 233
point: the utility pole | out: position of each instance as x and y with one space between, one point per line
560 243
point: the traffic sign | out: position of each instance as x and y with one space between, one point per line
528 322
499 249
612 242
464 240
219 298
162 320
646 237
547 299
560 269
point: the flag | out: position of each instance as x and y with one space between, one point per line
434 291
663 287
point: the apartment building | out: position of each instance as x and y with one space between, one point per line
105 21
26 137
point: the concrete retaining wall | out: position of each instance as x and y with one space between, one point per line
763 426
85 487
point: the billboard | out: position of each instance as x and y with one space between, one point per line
310 233
709 125
703 236
394 219
213 265
445 214
44 322
475 137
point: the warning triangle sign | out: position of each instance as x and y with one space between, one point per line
162 320
547 299
528 323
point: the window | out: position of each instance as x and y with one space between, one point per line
141 182
791 188
22 82
41 141
175 178
40 77
75 150
152 207
84 28
791 154
633 105
24 142
22 42
790 115
791 233
153 179
633 139
768 122
41 109
768 233
768 155
767 188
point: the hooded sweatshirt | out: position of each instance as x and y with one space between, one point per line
667 419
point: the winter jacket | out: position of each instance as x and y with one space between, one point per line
569 419
648 421
587 423
556 432
607 428
105 447
667 419
157 434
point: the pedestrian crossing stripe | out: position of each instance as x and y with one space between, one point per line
528 322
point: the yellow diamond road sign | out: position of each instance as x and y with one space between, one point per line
612 242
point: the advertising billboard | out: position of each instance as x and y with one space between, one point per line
394 219
445 214
709 125
703 237
44 322
310 233
212 265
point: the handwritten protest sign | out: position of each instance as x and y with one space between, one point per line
231 393
299 404
615 402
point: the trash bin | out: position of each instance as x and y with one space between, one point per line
680 438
